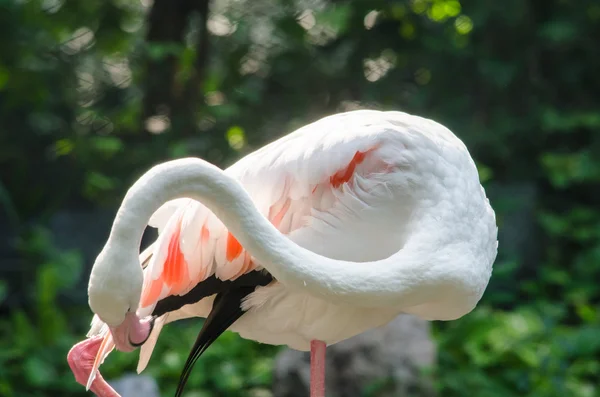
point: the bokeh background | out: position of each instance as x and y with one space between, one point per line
94 92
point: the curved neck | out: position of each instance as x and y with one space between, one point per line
393 281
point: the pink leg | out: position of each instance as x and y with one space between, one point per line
81 358
317 368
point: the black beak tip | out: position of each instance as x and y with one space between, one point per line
144 341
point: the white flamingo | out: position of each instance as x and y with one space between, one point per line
329 231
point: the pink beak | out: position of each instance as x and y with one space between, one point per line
132 332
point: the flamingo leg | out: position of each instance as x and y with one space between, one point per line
317 368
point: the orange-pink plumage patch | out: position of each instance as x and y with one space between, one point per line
175 274
151 294
204 235
234 248
345 174
276 216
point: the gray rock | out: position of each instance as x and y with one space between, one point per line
382 362
136 386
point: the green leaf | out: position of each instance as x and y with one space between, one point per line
4 77
565 169
236 137
559 31
107 145
38 372
97 183
565 122
336 17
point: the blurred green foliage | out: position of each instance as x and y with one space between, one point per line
91 95
35 342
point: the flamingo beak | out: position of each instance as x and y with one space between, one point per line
132 332
142 332
129 335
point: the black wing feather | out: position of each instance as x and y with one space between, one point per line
211 286
226 310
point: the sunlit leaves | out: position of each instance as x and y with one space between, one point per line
119 71
377 68
80 40
443 9
63 147
220 25
157 124
370 19
436 10
236 137
307 19
463 24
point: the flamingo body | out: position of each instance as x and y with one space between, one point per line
363 186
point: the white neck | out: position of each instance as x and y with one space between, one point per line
400 280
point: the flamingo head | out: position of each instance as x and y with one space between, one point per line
114 293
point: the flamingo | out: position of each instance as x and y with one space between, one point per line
334 229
